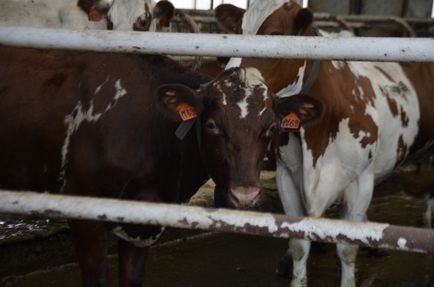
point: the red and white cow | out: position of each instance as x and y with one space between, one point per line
375 116
126 15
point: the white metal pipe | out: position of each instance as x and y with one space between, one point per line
352 48
266 224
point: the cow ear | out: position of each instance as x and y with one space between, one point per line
229 18
164 10
297 110
178 102
303 21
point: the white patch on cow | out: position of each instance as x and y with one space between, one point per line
124 13
120 91
251 77
233 62
390 127
243 107
80 115
296 87
219 89
343 160
73 122
137 241
402 243
262 111
338 64
98 89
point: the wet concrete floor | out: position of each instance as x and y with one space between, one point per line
233 260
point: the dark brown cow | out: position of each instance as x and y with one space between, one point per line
376 115
104 125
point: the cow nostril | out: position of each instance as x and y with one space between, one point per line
244 196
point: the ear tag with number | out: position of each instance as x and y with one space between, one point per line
94 15
186 112
290 122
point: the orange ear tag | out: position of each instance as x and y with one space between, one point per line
290 122
186 112
94 15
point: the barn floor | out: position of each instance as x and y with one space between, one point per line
233 260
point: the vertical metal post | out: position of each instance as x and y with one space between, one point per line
212 5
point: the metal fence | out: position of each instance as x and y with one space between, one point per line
243 222
350 48
315 229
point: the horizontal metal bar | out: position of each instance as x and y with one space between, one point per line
352 48
244 222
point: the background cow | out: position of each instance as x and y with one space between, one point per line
375 116
105 125
127 15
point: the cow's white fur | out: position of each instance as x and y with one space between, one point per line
296 87
251 77
80 115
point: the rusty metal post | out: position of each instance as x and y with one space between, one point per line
243 222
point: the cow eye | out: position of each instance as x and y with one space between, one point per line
271 130
276 33
211 127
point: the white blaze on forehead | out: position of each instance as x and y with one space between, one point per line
296 87
251 77
124 13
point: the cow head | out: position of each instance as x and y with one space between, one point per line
137 15
235 117
274 18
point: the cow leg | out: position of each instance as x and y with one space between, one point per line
292 203
132 260
91 245
358 196
135 240
133 249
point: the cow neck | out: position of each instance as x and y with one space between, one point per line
310 80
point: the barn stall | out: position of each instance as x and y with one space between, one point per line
236 260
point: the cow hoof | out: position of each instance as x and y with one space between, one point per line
284 267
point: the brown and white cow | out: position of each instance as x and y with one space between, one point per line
376 115
127 15
106 125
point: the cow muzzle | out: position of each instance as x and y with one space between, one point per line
244 197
